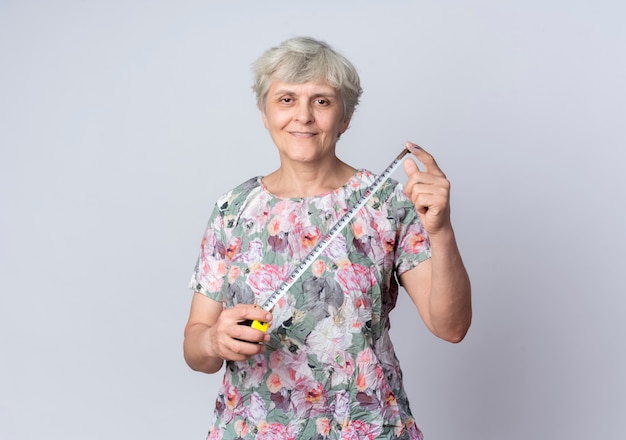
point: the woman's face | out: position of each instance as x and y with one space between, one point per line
304 120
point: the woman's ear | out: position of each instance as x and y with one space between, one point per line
345 124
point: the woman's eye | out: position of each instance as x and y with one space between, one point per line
322 101
286 100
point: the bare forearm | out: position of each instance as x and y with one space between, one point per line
450 306
197 352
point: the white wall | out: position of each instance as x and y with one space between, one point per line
122 121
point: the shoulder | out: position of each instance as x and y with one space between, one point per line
231 202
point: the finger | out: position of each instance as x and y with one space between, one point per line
418 181
410 168
246 333
251 323
430 165
250 312
240 349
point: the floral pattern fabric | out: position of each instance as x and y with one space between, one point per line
330 370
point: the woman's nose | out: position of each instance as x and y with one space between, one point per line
303 113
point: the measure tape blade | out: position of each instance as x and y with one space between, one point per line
332 233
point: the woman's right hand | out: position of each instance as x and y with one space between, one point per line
232 337
214 334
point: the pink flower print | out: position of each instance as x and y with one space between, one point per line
324 204
322 426
291 368
388 240
362 303
233 247
277 359
355 278
255 214
282 208
342 408
315 394
370 373
233 274
329 341
390 399
343 369
366 357
302 239
274 431
254 371
233 398
216 434
358 228
254 253
309 399
208 242
266 278
362 311
414 243
318 268
361 177
211 247
360 430
361 382
274 382
283 218
211 274
309 237
241 428
256 411
261 220
337 249
274 226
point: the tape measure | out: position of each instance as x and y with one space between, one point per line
323 243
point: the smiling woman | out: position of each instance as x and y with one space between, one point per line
326 367
305 121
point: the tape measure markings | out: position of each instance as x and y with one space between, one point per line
297 272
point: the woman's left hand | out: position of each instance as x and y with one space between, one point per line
440 286
429 190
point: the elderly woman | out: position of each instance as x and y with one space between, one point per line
326 367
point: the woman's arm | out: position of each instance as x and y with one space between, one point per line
213 334
440 286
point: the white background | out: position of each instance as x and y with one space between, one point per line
122 121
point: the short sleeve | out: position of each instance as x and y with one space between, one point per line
209 276
412 243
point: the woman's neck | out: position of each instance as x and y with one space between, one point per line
308 180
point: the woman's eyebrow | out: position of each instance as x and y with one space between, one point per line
329 94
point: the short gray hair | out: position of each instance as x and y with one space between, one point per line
303 59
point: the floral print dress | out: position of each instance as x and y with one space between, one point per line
330 370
